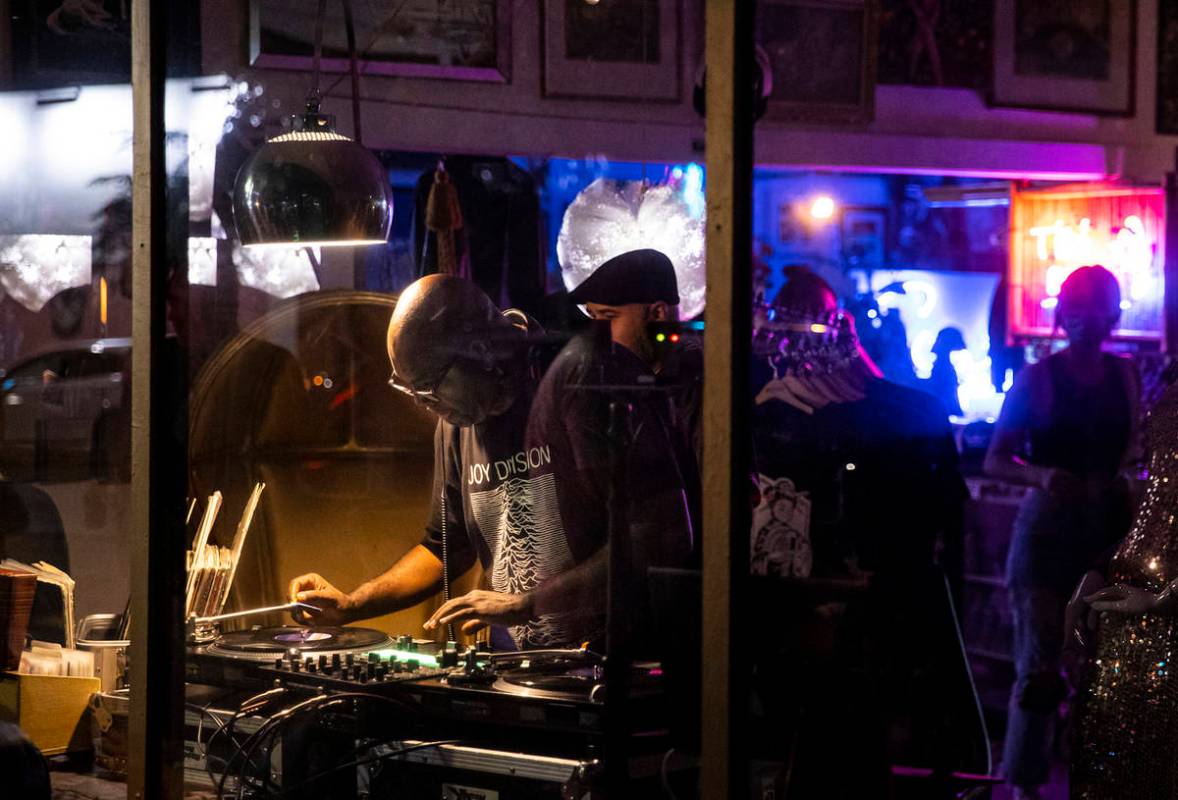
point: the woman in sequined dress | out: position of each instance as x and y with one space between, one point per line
1065 432
1126 738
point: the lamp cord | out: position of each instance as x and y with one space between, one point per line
350 30
318 50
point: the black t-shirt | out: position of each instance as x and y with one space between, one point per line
880 474
570 416
501 508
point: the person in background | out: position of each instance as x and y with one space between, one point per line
1066 430
943 382
23 769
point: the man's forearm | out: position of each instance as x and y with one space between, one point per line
416 576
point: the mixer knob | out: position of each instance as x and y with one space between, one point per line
412 665
355 672
450 655
374 658
278 663
322 663
350 659
295 664
335 661
381 672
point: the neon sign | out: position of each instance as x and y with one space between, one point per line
1129 254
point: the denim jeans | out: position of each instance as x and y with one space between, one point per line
1054 543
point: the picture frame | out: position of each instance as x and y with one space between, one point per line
864 236
842 34
1078 56
470 40
49 44
621 50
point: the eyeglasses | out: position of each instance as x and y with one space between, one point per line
427 397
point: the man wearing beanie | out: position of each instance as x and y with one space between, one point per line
619 362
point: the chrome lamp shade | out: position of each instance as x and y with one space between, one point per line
312 188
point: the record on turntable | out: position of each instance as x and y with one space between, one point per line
266 643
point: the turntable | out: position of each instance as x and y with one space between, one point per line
265 644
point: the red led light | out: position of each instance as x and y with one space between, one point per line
674 337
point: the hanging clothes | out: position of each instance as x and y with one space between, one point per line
499 241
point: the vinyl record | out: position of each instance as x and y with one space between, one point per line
274 641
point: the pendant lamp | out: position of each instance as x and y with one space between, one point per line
311 186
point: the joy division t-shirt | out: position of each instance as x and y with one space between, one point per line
501 508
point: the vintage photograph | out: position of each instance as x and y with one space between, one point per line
1066 56
841 34
1069 38
626 31
458 39
623 49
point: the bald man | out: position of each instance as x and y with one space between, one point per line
462 358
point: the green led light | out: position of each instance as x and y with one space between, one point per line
661 337
423 659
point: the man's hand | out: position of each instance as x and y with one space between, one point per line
1122 599
478 609
313 589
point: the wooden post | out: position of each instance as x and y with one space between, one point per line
729 146
156 763
1170 264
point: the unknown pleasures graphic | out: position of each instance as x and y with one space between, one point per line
520 522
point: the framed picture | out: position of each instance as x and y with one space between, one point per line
458 39
619 50
864 231
937 43
57 43
823 55
1065 55
1167 111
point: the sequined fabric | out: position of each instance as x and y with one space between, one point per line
1126 737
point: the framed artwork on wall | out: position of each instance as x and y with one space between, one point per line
936 43
459 39
46 44
1065 55
620 50
864 231
823 55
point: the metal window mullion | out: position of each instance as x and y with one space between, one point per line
725 635
155 746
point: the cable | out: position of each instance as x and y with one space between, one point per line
247 708
663 775
362 761
274 723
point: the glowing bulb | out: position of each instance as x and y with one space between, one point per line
661 337
822 207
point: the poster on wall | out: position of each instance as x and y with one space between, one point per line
459 39
621 50
840 35
1065 55
1054 232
